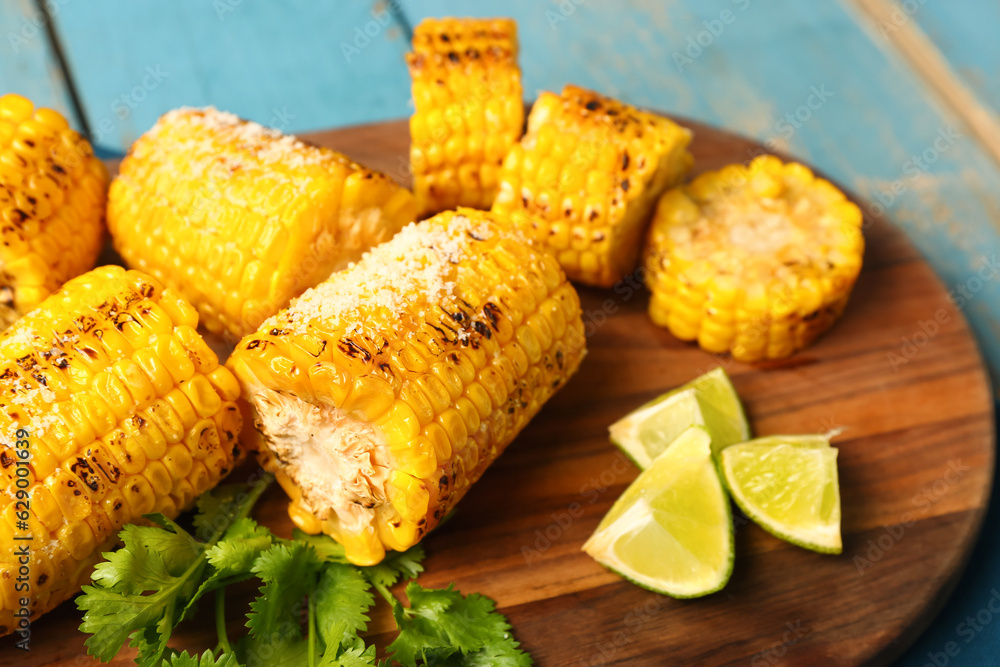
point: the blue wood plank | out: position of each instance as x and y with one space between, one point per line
805 78
27 64
296 65
965 33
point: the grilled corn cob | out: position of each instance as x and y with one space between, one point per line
385 392
111 406
755 260
52 195
468 109
238 219
585 178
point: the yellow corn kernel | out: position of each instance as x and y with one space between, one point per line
754 260
241 242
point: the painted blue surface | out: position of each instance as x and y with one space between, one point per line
812 79
27 64
282 64
965 32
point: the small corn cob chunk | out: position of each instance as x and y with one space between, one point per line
52 196
238 219
111 407
585 178
384 393
757 260
468 109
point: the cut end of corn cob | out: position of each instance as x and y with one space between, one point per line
468 106
52 196
585 177
111 407
385 392
757 260
239 218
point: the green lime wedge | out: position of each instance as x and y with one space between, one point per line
708 401
671 531
788 486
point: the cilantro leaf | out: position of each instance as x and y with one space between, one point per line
356 656
144 589
277 649
289 572
219 508
150 556
207 660
153 561
326 547
235 553
396 565
342 600
442 625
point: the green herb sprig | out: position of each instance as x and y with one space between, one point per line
142 591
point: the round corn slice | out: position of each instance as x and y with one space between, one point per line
756 260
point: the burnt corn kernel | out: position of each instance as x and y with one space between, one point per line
117 422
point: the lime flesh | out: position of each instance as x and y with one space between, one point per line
708 401
788 485
671 531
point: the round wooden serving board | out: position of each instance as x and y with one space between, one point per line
900 372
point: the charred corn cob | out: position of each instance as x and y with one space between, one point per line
468 109
52 196
585 178
385 392
238 219
755 260
111 406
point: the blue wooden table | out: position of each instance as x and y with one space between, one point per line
897 99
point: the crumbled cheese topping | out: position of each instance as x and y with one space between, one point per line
413 271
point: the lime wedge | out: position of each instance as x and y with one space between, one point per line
671 531
788 486
708 401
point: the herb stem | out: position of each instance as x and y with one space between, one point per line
220 620
312 630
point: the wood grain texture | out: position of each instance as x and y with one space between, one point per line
916 464
27 64
280 64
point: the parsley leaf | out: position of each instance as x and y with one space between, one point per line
289 572
342 600
442 625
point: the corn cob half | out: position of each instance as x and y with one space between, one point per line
755 260
468 109
238 219
111 406
384 393
52 196
585 178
